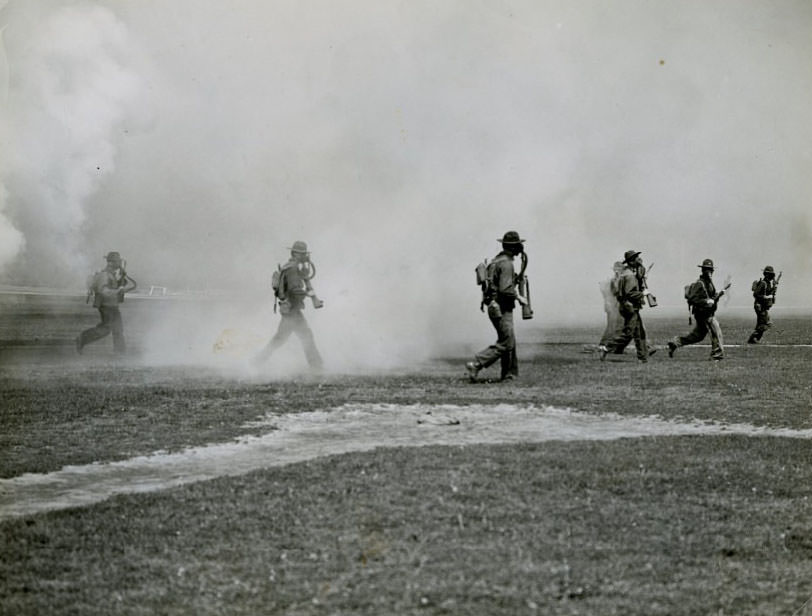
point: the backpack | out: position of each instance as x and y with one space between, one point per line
276 280
687 295
484 280
754 286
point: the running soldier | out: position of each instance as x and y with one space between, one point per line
630 292
107 288
499 295
764 299
703 300
291 285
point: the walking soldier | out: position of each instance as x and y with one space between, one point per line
291 285
631 292
499 282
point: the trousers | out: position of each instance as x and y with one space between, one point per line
110 323
702 327
504 349
632 330
763 322
294 323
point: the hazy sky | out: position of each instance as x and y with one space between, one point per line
401 139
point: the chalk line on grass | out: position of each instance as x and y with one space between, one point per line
348 428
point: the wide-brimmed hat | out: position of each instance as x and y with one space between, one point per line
630 255
769 270
299 246
113 256
511 237
707 264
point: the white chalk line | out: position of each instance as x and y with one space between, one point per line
753 346
350 428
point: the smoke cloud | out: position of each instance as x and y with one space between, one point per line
400 140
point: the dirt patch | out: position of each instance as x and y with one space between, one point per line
349 428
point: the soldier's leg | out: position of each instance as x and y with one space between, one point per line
699 331
717 342
614 326
622 339
608 331
697 334
491 353
510 364
618 348
766 323
283 332
305 335
762 324
755 336
99 331
117 329
640 342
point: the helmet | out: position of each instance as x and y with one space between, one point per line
707 264
113 256
769 270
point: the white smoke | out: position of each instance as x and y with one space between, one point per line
400 140
11 239
68 91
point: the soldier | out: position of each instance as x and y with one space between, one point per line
630 293
703 299
500 297
108 288
291 286
764 299
614 322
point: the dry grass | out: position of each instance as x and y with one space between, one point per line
682 525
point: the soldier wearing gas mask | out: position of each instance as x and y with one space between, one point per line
292 285
500 292
107 288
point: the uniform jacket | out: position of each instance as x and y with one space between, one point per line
763 288
503 281
628 292
698 294
106 290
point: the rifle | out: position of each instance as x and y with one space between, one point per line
650 297
775 287
523 290
719 294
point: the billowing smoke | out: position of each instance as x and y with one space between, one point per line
68 90
400 140
11 239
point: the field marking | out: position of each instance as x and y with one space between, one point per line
751 346
350 428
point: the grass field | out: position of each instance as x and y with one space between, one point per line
713 524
